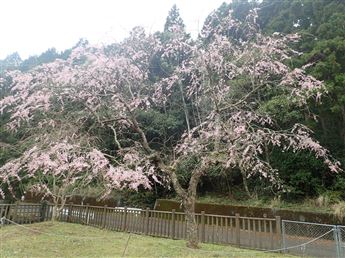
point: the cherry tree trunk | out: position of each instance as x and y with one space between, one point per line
57 209
192 226
245 184
55 213
188 197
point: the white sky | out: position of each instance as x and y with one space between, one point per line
32 26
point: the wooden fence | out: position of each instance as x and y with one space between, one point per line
258 233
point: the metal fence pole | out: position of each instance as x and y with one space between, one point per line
283 236
337 240
340 238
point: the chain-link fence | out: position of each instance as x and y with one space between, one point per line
341 239
313 239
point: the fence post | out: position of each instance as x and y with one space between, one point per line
124 226
279 231
202 222
15 213
87 214
283 236
104 216
69 215
173 223
238 230
338 242
80 214
341 245
43 211
147 221
8 212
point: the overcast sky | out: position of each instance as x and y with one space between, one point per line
32 26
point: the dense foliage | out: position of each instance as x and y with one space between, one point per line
321 24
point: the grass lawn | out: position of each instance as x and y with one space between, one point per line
58 239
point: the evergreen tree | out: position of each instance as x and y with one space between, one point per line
12 61
173 19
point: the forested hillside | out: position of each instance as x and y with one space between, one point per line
321 24
248 109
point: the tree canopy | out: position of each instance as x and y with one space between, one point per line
135 113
